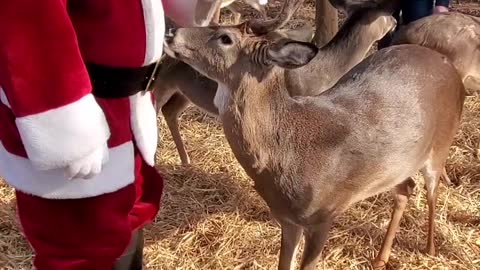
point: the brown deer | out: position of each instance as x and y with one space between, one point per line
312 157
177 83
367 23
453 34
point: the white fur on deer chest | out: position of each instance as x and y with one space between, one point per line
221 98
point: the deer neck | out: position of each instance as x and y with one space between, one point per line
345 50
252 117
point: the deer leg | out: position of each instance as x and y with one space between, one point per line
326 22
264 26
236 11
291 235
314 241
445 177
237 17
258 7
401 195
171 111
431 176
472 83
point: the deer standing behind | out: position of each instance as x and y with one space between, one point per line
348 47
453 34
312 157
177 84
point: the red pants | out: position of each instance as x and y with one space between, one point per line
91 233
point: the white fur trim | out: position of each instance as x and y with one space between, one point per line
55 138
3 98
263 2
144 125
53 184
154 29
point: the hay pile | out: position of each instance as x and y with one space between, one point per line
213 219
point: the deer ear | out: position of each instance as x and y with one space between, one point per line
291 54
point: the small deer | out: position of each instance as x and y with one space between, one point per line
453 34
367 23
177 83
312 157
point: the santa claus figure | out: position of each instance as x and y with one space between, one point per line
78 134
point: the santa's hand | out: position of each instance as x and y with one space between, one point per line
440 9
88 166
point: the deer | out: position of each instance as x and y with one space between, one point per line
366 23
453 34
177 84
312 157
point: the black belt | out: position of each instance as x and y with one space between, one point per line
115 82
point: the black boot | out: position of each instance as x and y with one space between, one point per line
132 259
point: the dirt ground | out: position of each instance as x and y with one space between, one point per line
212 218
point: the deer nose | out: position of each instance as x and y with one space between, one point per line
171 32
170 35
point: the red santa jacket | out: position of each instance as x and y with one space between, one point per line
48 115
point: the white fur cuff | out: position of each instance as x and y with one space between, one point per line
55 138
144 125
52 184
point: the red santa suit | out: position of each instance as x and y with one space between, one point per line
70 75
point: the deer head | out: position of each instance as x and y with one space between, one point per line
226 53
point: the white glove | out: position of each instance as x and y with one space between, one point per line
88 166
263 2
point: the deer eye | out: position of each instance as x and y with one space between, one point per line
225 40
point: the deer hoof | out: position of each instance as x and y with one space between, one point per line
430 251
185 161
379 264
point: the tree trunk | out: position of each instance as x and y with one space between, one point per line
326 22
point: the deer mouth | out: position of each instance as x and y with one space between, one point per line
176 49
169 44
169 51
179 52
